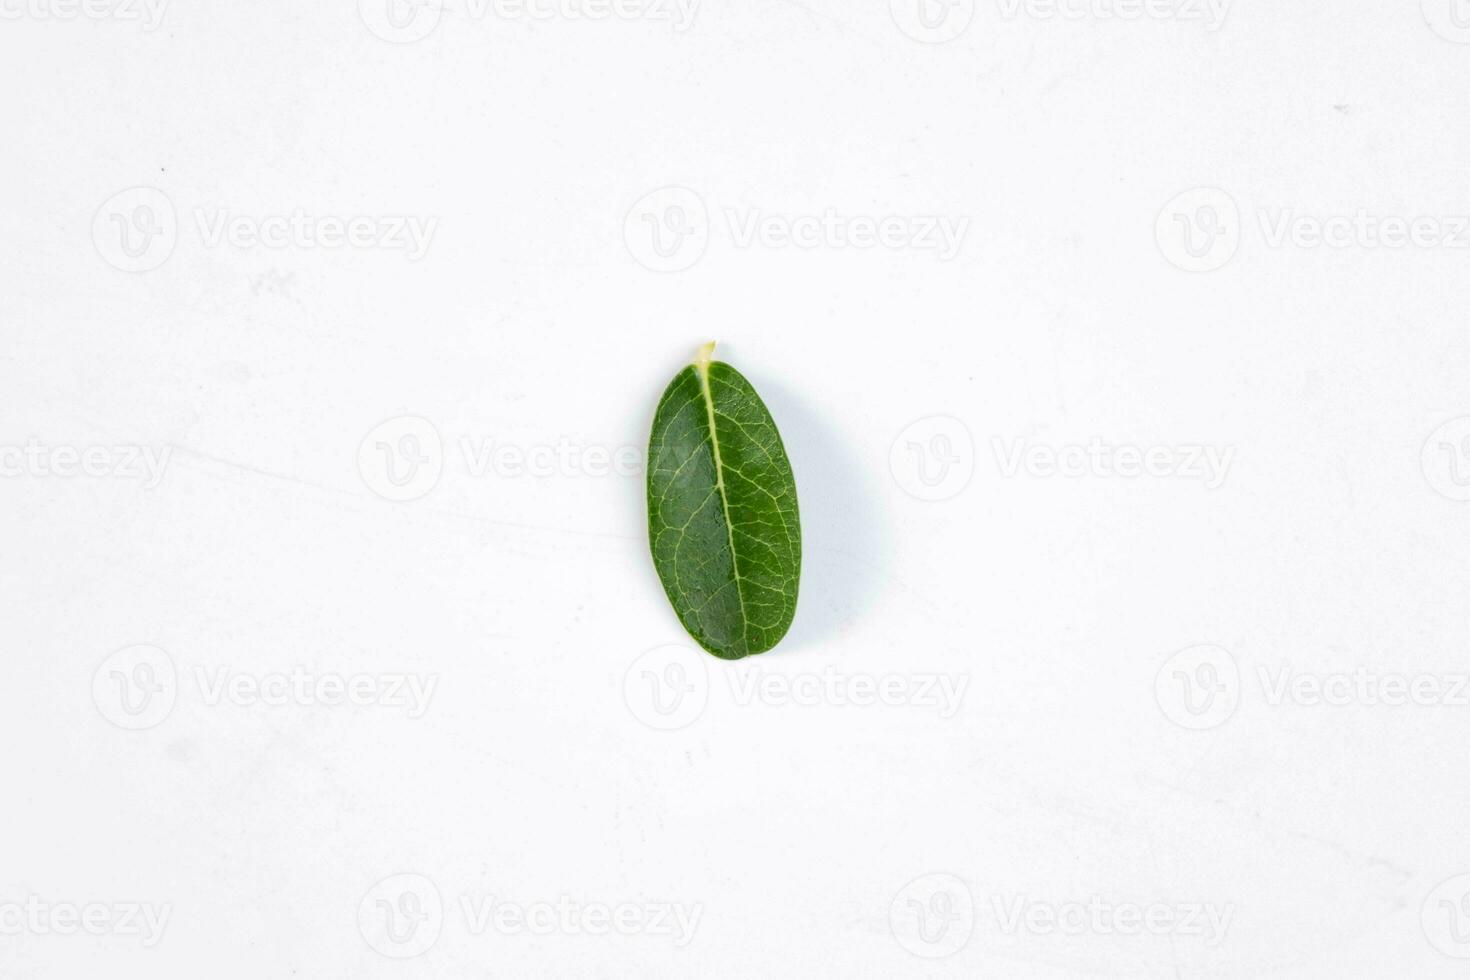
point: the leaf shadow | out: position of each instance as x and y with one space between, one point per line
843 530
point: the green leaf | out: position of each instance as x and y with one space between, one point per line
722 520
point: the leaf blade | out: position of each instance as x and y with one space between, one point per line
724 527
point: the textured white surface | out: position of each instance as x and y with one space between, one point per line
1074 678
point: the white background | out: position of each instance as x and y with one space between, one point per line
1078 767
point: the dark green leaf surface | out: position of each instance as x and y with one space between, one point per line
722 520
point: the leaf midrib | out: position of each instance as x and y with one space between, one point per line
701 367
